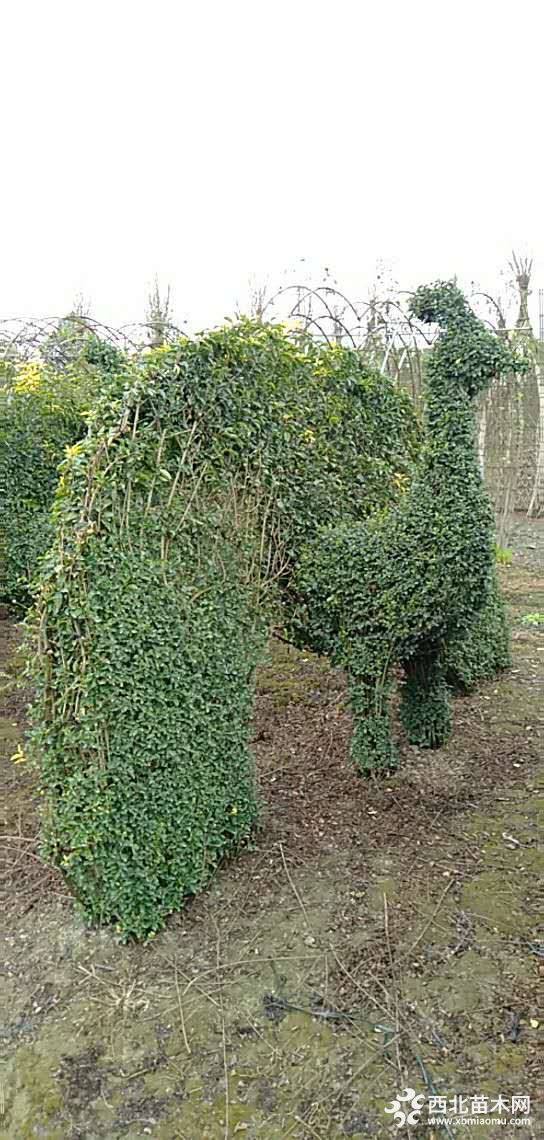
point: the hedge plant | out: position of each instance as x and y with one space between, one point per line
178 522
42 411
417 583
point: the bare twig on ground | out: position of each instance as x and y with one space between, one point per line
423 931
223 1031
181 1014
395 983
294 888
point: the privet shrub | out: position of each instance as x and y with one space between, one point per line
42 411
177 523
419 578
147 770
480 651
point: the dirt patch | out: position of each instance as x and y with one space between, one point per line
379 934
526 539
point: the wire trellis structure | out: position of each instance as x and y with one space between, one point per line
22 338
511 414
381 328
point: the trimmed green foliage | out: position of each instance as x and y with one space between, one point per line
202 505
42 411
147 769
404 586
177 524
482 650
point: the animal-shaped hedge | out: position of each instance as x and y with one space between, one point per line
179 522
224 484
418 581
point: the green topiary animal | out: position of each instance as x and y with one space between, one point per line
201 478
419 579
201 506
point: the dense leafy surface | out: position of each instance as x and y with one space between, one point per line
178 522
205 504
418 581
42 411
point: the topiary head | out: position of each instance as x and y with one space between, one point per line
467 351
441 303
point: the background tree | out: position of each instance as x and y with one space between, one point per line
522 268
158 316
66 342
258 294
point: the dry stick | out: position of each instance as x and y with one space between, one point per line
255 962
293 887
20 838
371 997
309 1127
365 992
208 996
181 464
180 1007
193 494
325 1102
429 922
92 974
25 855
169 1008
355 1076
223 1034
395 982
384 1009
162 439
303 909
136 418
275 1052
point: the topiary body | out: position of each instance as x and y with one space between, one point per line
178 521
403 587
201 506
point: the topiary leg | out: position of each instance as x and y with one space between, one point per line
484 649
498 631
425 706
371 745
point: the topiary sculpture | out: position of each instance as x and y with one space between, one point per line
201 478
419 578
201 505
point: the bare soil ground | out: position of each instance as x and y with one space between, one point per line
378 934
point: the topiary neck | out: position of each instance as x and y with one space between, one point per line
450 425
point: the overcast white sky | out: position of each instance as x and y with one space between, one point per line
212 139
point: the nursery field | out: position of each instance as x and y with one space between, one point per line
379 933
